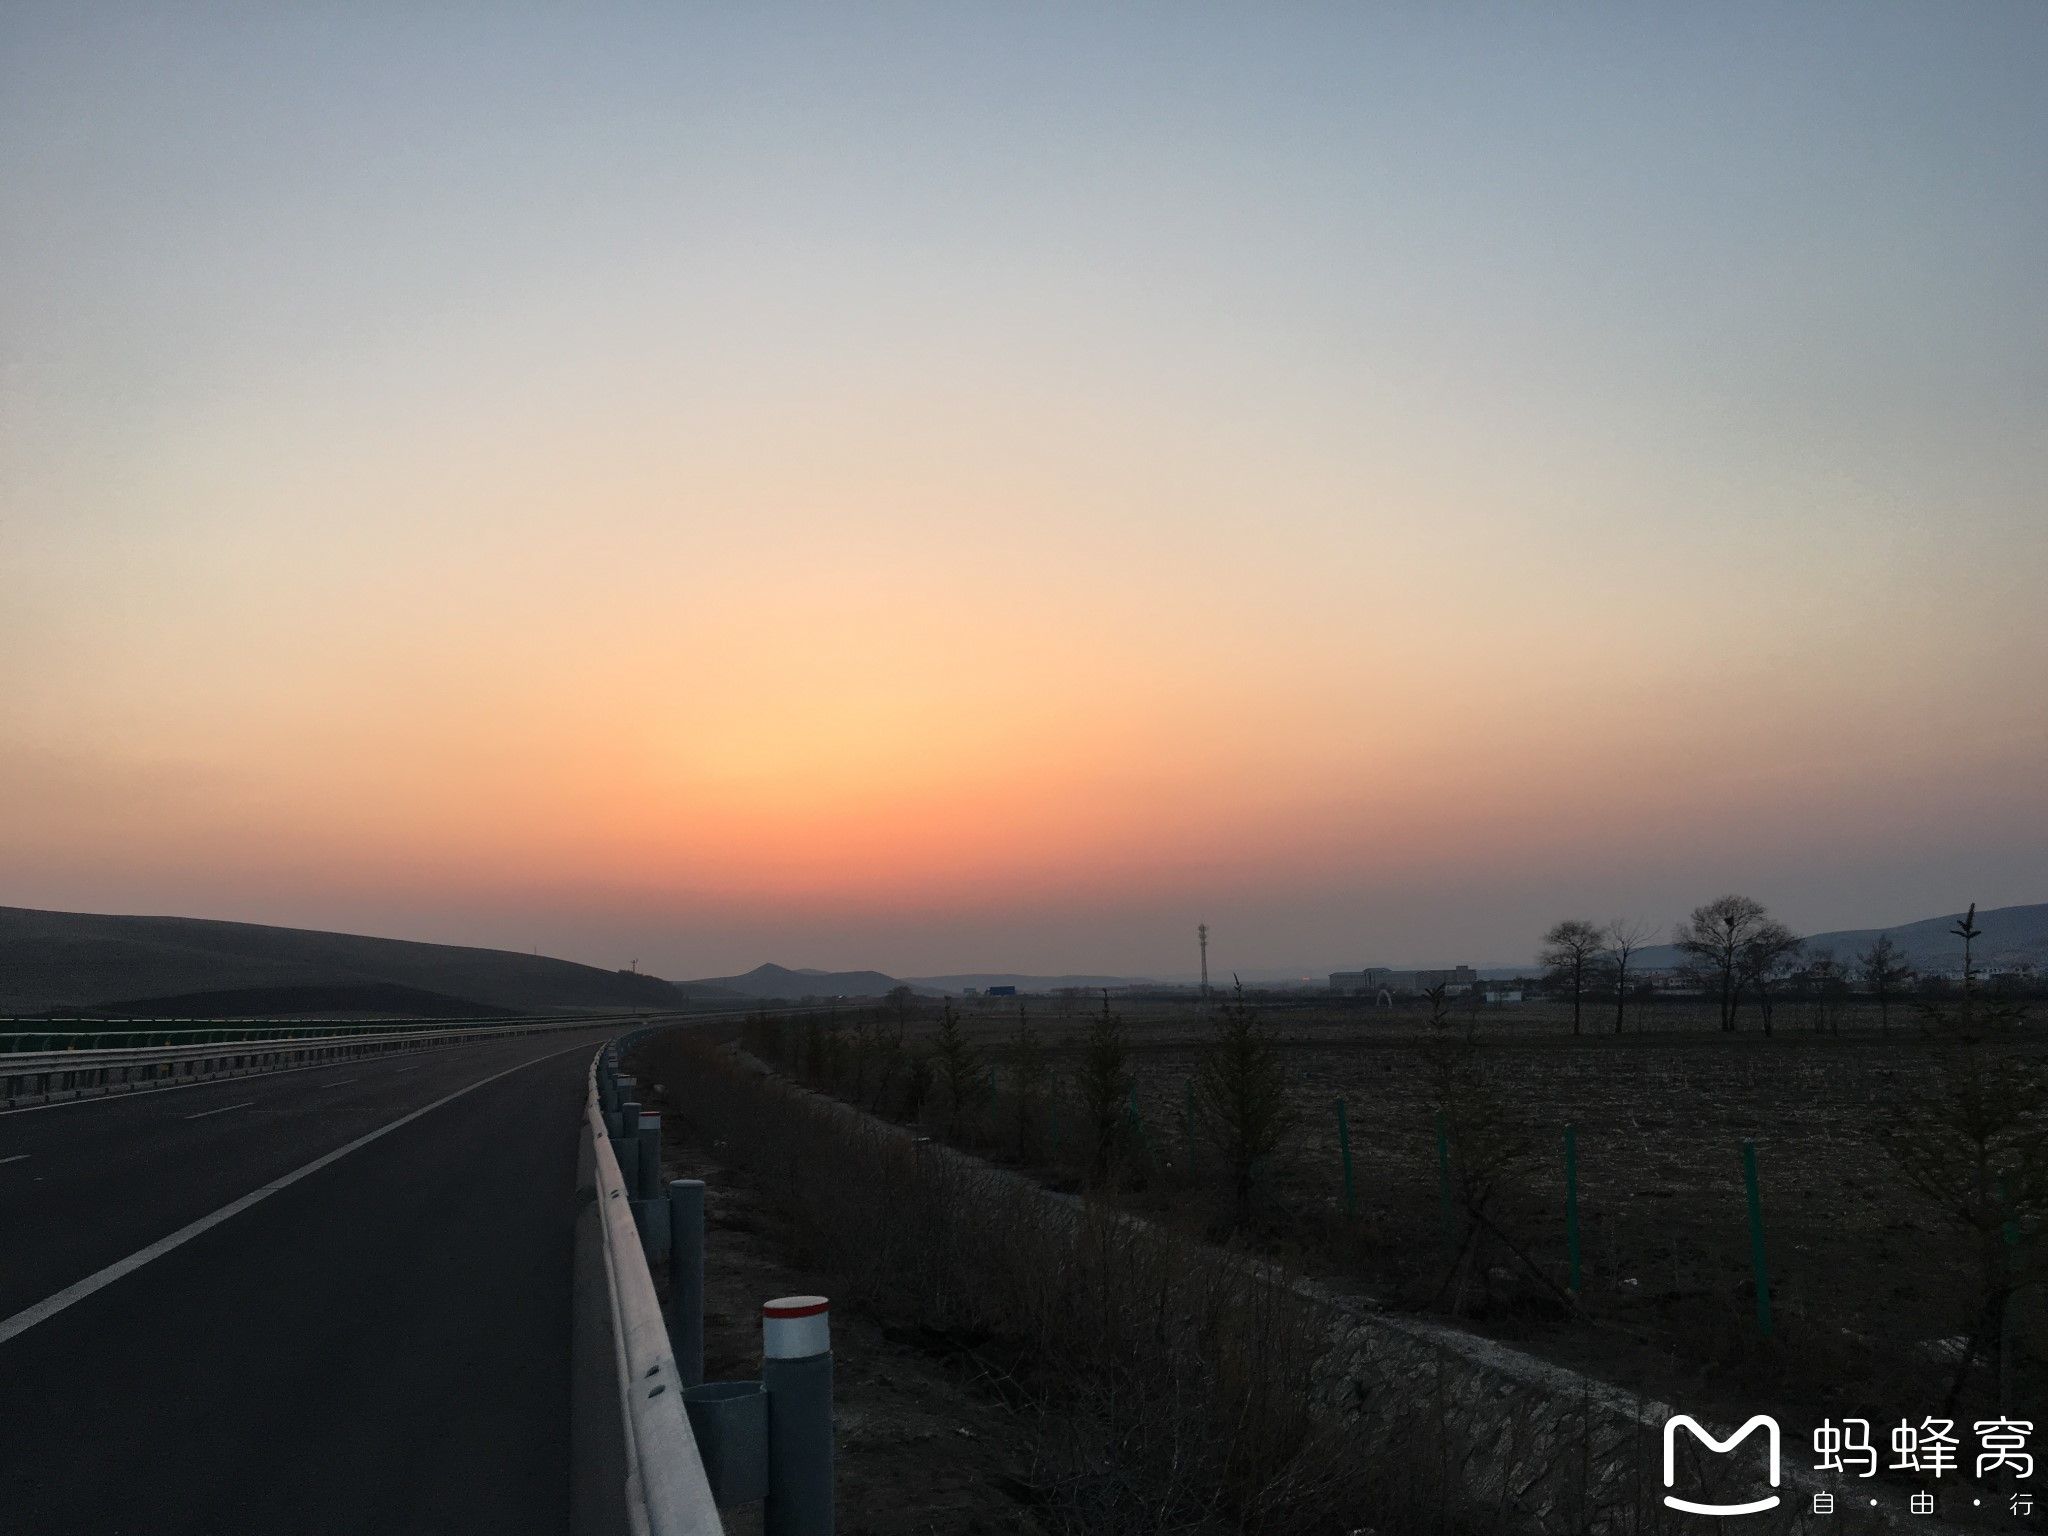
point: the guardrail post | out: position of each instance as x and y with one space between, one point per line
650 1208
650 1154
686 1277
729 1421
626 1147
796 1371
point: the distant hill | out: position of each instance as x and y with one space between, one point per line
2011 935
194 967
780 981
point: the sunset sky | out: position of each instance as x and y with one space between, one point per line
968 486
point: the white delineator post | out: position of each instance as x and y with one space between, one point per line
796 1370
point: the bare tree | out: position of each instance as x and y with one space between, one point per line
1624 936
1716 939
1768 957
1242 1091
1883 969
1569 950
1823 982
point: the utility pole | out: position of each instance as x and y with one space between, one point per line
1202 933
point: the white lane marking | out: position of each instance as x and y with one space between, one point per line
19 1157
340 1080
50 1306
221 1111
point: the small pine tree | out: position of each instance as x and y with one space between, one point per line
889 1052
917 1086
1241 1090
1106 1084
960 1067
1972 1142
1029 1070
1490 1145
861 1034
1439 999
764 1037
836 1055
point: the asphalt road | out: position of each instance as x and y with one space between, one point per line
379 1344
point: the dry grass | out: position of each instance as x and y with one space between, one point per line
1160 1384
1867 1284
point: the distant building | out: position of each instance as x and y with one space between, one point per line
1375 979
1002 991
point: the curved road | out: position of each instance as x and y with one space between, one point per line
328 1300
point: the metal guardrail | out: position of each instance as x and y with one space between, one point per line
101 1034
667 1493
52 1076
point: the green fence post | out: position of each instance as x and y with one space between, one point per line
1571 1201
1756 1239
1443 1176
2008 1365
1344 1145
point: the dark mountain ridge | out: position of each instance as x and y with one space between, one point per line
196 967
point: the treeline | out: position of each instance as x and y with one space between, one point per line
1748 962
